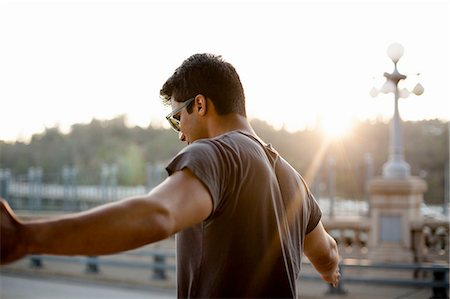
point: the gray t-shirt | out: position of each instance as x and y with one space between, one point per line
258 200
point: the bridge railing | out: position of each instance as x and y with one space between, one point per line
351 235
160 262
432 276
430 238
26 196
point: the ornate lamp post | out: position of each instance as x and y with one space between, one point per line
396 166
396 197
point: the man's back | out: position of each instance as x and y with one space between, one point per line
236 251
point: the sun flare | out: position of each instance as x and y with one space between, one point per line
335 128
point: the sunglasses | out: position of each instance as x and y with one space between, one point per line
173 118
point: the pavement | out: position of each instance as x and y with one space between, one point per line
17 283
319 290
13 286
23 286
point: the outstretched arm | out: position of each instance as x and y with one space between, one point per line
321 250
177 203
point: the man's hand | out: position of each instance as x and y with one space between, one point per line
321 249
333 278
11 235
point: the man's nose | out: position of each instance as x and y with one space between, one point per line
181 136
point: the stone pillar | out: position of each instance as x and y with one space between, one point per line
395 205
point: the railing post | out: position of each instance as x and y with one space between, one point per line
74 187
149 179
440 276
35 262
159 272
155 174
38 186
92 265
5 177
331 184
446 189
418 239
368 161
66 187
113 181
69 175
35 188
104 182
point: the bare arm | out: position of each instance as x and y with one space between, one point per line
321 250
177 203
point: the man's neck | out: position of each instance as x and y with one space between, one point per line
228 123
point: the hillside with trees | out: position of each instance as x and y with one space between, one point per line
88 146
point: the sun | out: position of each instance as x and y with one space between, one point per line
335 128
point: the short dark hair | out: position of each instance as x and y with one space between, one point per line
211 76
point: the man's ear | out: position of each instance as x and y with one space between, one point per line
201 104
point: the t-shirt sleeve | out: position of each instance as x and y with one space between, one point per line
315 213
204 160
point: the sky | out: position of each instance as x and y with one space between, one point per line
302 63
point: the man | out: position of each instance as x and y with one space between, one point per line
243 216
